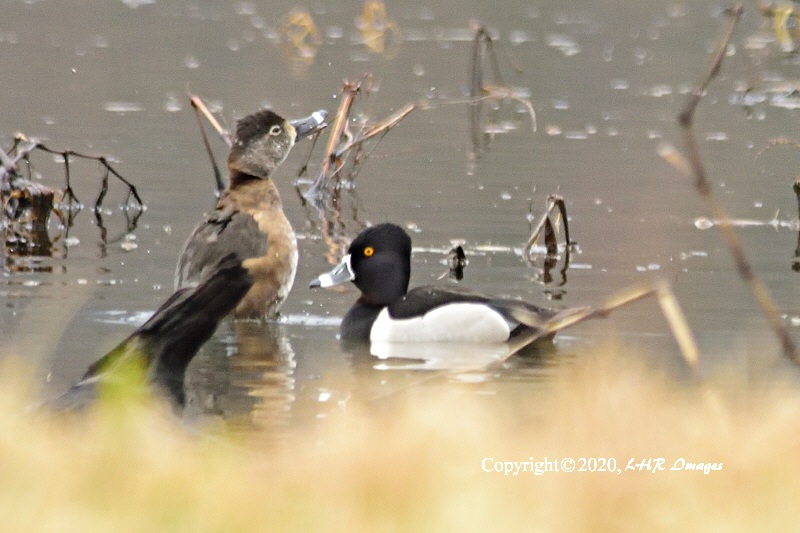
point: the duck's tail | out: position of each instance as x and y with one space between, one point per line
167 342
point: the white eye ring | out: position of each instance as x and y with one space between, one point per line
275 130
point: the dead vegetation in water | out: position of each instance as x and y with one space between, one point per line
28 204
485 62
548 228
691 166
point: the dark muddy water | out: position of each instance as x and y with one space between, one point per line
606 81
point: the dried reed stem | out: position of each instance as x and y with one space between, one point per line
694 168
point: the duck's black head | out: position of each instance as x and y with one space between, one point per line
378 261
381 261
264 139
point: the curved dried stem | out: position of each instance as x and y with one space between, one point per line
692 167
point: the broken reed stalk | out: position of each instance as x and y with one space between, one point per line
796 261
694 168
338 130
481 44
670 308
553 201
200 111
341 140
381 127
483 51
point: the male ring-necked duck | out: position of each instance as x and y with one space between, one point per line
378 261
164 345
248 219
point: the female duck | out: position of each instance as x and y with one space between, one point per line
248 219
379 263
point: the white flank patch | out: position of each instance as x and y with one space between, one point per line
458 322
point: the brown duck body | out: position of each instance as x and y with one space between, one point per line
248 220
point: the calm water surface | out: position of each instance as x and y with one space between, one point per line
606 83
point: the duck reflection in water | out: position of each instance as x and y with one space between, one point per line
243 379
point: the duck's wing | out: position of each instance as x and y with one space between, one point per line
224 231
166 343
421 300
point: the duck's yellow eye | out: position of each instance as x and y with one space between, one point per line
275 130
368 251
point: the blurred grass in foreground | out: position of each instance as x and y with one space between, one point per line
415 463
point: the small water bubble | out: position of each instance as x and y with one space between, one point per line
598 201
191 62
167 229
560 104
519 37
576 135
653 266
419 70
245 8
234 45
553 130
72 241
100 42
123 107
565 44
654 134
173 104
660 90
257 22
133 4
334 32
758 204
82 281
31 283
505 196
128 246
716 136
156 286
620 84
703 223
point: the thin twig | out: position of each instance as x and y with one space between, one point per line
198 104
33 144
381 127
694 168
200 110
669 306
